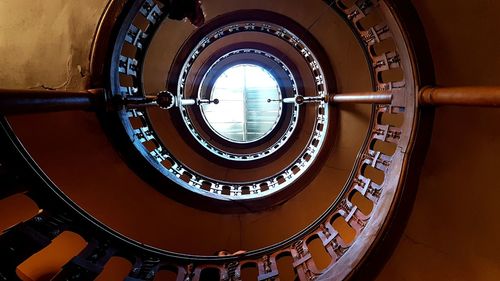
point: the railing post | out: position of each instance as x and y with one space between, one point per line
88 264
25 239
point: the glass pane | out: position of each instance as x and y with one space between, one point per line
248 107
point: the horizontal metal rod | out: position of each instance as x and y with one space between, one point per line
34 101
463 96
363 97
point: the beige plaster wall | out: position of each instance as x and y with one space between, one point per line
46 43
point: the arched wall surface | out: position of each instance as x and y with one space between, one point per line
453 230
72 148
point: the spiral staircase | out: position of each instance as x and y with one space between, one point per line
121 175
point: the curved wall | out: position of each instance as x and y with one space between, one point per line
73 150
453 231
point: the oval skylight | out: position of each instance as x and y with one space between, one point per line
249 104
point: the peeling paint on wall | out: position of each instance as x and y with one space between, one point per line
45 44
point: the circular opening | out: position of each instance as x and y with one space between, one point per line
249 104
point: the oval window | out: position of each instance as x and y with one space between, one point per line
248 108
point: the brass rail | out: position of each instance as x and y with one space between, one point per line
462 96
364 97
